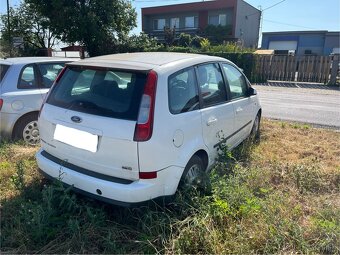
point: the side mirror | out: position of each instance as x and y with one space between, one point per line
252 92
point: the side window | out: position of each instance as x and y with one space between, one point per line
27 78
237 83
182 92
213 90
49 73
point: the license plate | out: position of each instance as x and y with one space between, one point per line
76 138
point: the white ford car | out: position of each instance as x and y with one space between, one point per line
128 128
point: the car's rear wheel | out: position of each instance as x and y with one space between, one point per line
255 131
27 129
194 175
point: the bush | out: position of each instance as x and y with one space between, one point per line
205 45
196 41
182 49
138 43
184 40
217 34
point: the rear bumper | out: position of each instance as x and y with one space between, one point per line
129 194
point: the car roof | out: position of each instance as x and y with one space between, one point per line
144 60
28 60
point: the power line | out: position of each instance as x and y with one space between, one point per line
273 5
287 24
151 1
269 7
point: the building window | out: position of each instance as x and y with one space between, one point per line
158 24
174 22
223 19
190 22
216 20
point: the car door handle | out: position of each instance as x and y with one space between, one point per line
239 109
211 121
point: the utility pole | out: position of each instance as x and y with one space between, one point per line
9 31
261 24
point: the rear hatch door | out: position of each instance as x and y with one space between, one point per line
89 120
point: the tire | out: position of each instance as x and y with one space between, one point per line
195 176
27 129
255 131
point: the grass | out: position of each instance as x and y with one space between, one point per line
279 196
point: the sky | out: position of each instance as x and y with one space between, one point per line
287 15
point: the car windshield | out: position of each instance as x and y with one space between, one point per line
109 93
3 71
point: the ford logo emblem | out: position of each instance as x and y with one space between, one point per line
76 119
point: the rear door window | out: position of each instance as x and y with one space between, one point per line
27 79
49 72
3 71
109 93
182 91
212 87
237 83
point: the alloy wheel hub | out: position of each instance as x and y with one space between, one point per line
31 133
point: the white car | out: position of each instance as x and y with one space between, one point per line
24 83
138 141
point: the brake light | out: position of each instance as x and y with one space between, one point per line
1 103
147 175
144 125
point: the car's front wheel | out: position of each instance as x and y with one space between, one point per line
255 131
27 129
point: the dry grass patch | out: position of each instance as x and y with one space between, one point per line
297 143
17 168
278 196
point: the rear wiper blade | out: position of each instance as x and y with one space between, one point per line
84 104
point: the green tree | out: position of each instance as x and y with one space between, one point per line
138 43
27 23
96 24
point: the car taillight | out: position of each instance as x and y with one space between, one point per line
144 125
1 103
147 175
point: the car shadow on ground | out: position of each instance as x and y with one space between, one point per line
285 84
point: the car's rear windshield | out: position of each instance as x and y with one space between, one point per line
3 71
103 92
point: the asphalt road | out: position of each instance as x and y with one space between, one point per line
313 106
